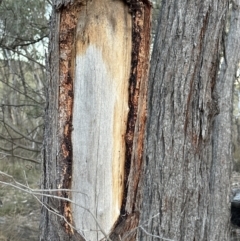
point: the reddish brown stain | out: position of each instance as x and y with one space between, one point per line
68 23
128 221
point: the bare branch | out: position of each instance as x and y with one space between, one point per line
22 105
154 236
29 42
20 133
28 190
16 146
22 157
20 92
24 55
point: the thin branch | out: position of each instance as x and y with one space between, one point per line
20 133
11 138
30 42
22 93
49 2
4 155
57 190
24 55
16 145
23 158
55 212
7 149
21 105
40 192
28 190
155 236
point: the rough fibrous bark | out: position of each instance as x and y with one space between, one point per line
188 137
183 192
57 143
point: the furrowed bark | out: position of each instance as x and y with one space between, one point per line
188 136
99 54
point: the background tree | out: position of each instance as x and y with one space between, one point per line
23 42
236 125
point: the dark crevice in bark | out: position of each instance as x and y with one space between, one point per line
141 11
187 69
66 51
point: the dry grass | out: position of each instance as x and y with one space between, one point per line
20 213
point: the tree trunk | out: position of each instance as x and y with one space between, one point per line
95 119
188 133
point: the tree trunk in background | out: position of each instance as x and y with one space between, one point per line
188 133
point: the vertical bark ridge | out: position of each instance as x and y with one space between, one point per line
183 105
222 150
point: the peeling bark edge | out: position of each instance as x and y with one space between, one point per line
58 160
51 225
68 22
125 227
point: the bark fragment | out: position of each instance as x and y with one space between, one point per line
68 21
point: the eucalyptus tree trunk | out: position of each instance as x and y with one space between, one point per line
96 113
188 135
99 55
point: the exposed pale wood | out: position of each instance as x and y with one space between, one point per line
102 71
126 227
114 51
57 139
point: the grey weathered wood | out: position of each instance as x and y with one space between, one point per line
100 110
188 137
